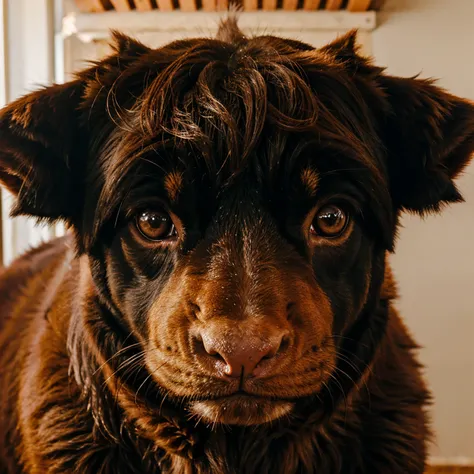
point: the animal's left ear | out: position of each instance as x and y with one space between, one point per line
429 138
428 134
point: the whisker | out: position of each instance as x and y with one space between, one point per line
117 354
152 373
333 377
364 382
124 364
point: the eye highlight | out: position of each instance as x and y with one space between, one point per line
330 221
155 225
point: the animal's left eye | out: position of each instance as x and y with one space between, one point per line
155 225
329 221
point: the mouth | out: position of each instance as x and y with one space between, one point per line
240 409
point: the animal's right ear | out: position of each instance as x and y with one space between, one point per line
45 136
42 145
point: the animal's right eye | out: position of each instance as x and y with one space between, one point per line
155 225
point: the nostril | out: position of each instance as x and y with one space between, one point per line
201 349
198 345
214 354
217 356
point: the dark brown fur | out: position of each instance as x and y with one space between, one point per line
102 364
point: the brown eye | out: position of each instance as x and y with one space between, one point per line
330 221
155 225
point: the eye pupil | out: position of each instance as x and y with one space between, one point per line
331 217
330 221
153 220
155 225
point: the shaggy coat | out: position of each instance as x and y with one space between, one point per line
222 303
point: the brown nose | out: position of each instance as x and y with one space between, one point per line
241 354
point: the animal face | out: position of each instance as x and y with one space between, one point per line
234 200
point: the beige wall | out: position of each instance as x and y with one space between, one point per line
434 260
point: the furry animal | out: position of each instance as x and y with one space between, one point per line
222 303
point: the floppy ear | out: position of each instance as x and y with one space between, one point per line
45 135
429 136
41 143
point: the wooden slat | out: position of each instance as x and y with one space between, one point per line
209 5
250 5
290 4
333 4
120 5
222 5
358 5
175 23
90 5
187 5
143 5
165 5
311 4
269 5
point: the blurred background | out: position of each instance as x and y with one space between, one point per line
44 41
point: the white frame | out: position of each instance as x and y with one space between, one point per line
96 26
